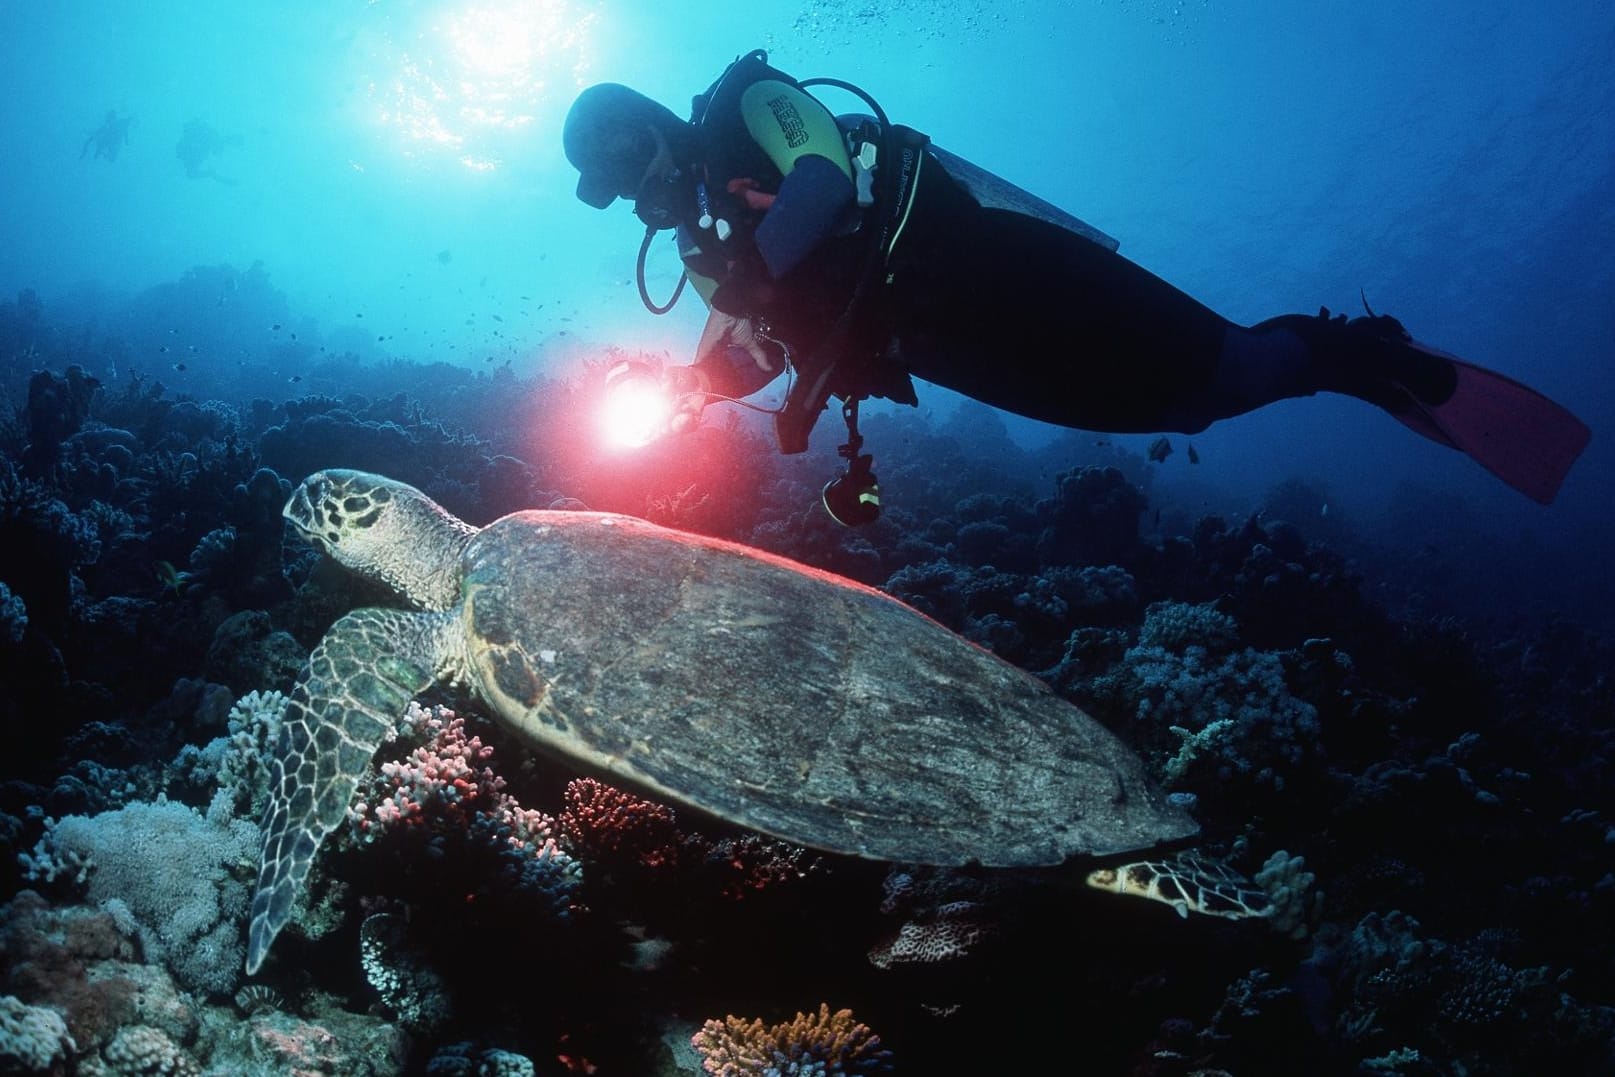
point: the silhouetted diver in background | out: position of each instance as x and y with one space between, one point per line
109 138
197 143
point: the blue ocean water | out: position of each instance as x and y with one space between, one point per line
401 160
386 180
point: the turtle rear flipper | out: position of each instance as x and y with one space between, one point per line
357 683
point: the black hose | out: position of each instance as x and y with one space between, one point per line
639 275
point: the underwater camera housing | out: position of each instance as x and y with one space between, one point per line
853 497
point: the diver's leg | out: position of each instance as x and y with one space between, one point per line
1036 320
1518 434
1031 318
1298 355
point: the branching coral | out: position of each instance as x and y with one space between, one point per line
825 1043
1211 712
236 761
606 825
1092 518
447 795
1290 886
1456 1000
619 832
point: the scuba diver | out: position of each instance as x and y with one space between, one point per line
199 141
859 255
109 138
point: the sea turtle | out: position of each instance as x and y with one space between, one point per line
772 695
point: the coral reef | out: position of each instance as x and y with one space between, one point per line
140 1051
187 913
33 1039
445 801
613 829
1209 713
1438 785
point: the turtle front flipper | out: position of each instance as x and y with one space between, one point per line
1189 883
357 684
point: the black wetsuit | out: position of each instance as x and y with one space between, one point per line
1026 315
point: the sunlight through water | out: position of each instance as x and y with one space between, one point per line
462 80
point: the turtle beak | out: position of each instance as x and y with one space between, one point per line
301 506
298 510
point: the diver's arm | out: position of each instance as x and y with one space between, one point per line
731 362
811 204
802 140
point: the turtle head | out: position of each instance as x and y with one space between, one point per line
384 530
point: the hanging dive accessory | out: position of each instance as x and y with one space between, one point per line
886 166
719 226
853 497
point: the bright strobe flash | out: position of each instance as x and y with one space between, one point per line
637 409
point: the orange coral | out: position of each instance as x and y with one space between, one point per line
836 1043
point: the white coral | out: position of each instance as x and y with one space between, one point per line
140 1051
32 1039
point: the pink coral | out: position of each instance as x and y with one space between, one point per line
447 797
445 785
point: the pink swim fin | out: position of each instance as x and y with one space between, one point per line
1509 429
